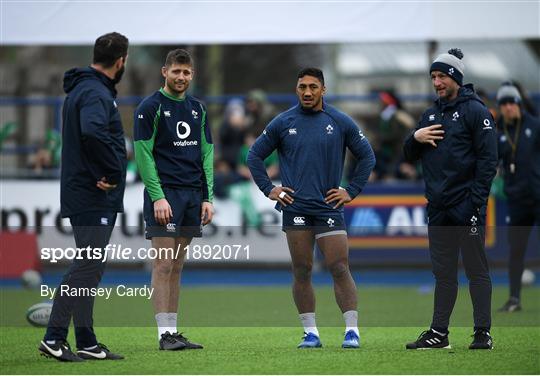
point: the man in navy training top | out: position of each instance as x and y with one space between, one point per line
175 156
456 140
91 192
311 139
519 150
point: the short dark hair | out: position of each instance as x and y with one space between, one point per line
315 72
109 47
178 56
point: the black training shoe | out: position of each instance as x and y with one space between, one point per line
60 351
169 342
482 341
189 345
512 305
429 339
100 352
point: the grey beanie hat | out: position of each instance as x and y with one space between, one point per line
508 93
450 64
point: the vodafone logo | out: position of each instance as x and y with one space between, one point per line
183 130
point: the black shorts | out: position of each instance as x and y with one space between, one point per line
321 224
186 207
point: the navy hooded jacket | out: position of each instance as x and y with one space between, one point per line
93 144
463 164
522 185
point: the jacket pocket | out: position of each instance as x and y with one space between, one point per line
466 213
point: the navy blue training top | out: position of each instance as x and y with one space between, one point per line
173 144
311 149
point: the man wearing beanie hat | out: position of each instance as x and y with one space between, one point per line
519 149
456 141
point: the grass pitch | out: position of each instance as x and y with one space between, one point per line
252 330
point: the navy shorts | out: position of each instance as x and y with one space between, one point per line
186 207
321 224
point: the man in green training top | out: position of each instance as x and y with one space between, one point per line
175 156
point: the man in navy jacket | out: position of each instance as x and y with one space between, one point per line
92 190
311 139
456 141
519 150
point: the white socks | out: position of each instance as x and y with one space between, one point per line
308 322
166 322
173 316
351 321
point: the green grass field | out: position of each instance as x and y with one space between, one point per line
255 330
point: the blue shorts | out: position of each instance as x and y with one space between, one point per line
186 207
321 224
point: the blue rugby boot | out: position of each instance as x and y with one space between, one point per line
351 341
310 341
